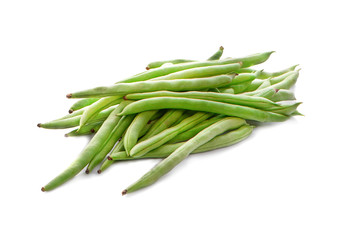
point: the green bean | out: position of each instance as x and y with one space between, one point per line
166 135
185 115
90 150
217 55
157 72
149 86
114 136
250 101
74 121
133 131
282 77
286 83
204 106
182 152
286 108
224 140
166 121
283 95
265 75
96 107
267 93
245 77
184 136
226 90
85 130
120 147
201 72
265 84
160 63
240 88
254 85
82 103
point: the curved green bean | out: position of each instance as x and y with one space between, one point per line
97 107
173 61
224 140
74 121
283 95
157 72
182 152
90 150
133 131
149 86
250 101
217 55
109 143
203 106
166 135
85 130
266 75
166 121
82 103
201 72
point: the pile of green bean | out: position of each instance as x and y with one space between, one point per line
173 109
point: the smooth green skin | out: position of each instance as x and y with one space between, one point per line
283 95
120 147
74 121
122 89
202 72
254 85
217 55
268 93
265 84
157 64
90 150
282 77
161 138
96 107
224 140
245 77
240 88
266 75
157 72
182 152
73 114
114 136
287 108
286 83
226 90
85 130
202 106
249 101
166 121
185 115
184 136
82 103
133 131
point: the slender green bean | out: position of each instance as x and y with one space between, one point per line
184 136
157 72
90 150
149 86
114 136
82 103
217 55
173 61
240 88
92 110
203 106
266 75
133 131
226 90
74 121
201 72
182 152
283 95
120 147
250 101
166 135
85 130
166 121
224 140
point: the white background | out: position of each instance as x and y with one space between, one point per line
286 181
